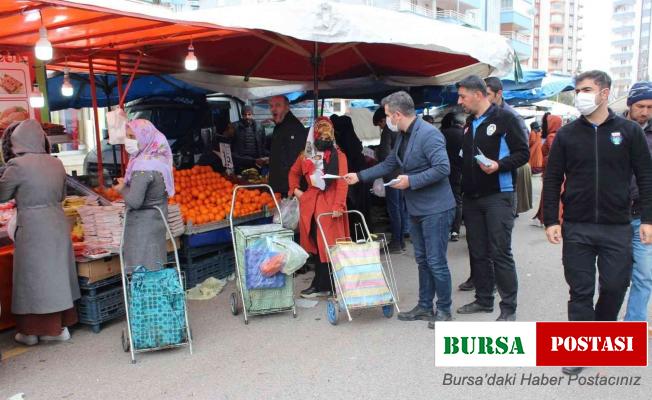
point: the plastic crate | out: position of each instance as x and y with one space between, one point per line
217 265
102 307
91 289
218 236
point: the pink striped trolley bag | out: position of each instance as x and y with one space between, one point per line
361 280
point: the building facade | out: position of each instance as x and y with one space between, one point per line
516 24
630 43
557 39
480 14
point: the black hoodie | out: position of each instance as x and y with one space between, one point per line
597 163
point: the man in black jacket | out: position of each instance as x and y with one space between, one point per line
639 102
596 155
248 148
493 147
288 141
453 131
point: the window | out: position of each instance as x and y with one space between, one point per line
556 40
507 3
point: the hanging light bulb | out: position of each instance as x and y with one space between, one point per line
191 61
43 47
66 87
36 99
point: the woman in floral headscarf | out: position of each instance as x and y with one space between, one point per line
320 157
148 183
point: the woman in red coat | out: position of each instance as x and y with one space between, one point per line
321 156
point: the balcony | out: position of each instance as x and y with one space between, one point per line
520 43
621 69
515 21
623 29
457 17
624 15
617 3
623 42
625 55
460 5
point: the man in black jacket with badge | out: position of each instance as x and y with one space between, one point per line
493 148
288 141
596 155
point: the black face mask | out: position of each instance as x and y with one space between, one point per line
323 145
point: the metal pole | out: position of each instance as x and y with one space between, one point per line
98 141
123 153
315 67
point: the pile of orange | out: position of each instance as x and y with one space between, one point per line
108 193
205 196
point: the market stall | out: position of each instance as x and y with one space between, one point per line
316 48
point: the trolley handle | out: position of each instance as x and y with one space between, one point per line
330 214
260 185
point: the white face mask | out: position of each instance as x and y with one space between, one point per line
585 103
390 125
131 145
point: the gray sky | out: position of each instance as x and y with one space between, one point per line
596 38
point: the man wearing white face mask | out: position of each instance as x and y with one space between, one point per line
596 155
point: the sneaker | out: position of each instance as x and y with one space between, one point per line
394 248
417 313
455 237
63 336
466 286
572 370
312 292
505 316
440 316
27 340
473 308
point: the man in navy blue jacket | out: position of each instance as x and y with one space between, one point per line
493 148
420 155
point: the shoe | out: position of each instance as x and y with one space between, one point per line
403 247
440 316
506 316
394 248
455 237
312 292
572 370
417 313
466 286
63 336
473 308
27 340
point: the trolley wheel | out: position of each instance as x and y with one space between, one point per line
332 311
125 341
234 303
388 310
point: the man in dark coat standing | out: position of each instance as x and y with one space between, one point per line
248 148
288 141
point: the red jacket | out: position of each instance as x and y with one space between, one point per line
314 202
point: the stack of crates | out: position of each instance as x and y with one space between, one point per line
101 301
200 263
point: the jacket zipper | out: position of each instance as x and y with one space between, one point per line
597 173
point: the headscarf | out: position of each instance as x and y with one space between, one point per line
29 138
553 123
154 155
317 163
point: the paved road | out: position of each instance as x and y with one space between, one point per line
277 357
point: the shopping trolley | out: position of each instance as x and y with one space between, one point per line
258 301
152 307
363 277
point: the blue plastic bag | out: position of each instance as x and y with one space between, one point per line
255 256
